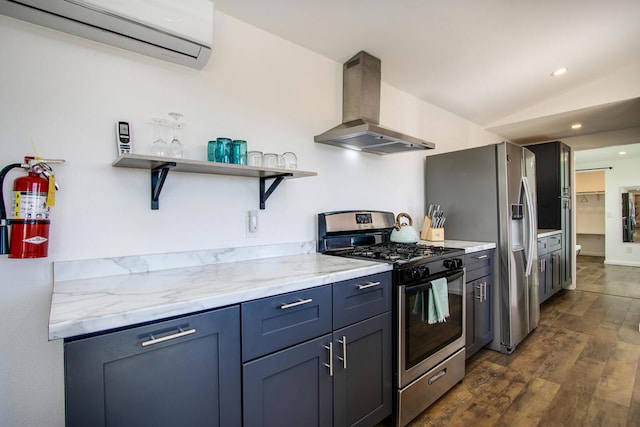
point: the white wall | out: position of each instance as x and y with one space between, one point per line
66 94
624 173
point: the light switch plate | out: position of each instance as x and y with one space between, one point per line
252 223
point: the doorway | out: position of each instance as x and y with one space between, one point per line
590 213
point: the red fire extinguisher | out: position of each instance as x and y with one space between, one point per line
34 196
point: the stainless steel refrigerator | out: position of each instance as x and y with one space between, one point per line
488 194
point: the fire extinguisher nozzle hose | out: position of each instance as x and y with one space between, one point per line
4 232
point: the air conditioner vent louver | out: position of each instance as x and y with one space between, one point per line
175 31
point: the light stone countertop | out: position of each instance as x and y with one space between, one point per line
94 304
469 247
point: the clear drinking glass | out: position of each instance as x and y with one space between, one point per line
270 160
175 148
254 158
290 160
160 147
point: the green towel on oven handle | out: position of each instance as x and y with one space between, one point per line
438 305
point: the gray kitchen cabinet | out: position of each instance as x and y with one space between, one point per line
338 374
362 378
479 306
278 322
549 265
553 181
290 387
184 371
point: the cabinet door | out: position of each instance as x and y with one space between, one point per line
484 314
362 372
470 309
184 371
556 268
544 274
479 314
292 387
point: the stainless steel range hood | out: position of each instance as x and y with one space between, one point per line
360 128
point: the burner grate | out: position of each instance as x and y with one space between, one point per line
396 251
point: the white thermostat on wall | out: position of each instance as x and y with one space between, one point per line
123 137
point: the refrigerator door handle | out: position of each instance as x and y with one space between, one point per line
530 242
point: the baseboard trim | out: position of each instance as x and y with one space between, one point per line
623 263
587 253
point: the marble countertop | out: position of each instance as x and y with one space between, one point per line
545 232
93 304
469 247
98 295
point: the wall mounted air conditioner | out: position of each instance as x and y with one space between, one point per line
179 31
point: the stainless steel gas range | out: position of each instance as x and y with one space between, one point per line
428 308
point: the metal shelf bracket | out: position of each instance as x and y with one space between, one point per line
158 176
266 192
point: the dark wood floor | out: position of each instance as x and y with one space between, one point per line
579 367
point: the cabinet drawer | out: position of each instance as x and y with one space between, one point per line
358 299
555 242
478 264
543 245
277 322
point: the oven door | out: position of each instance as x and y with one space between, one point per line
422 345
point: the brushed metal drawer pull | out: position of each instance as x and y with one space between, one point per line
479 288
368 285
295 304
330 364
437 376
482 257
343 341
179 334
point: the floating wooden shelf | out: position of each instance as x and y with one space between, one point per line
160 167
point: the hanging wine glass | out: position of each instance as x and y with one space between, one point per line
160 147
175 148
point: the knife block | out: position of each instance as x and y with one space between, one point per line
429 233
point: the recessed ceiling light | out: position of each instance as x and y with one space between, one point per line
576 126
559 72
622 153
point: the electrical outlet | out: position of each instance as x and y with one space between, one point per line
252 224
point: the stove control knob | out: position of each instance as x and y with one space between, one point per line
418 272
453 263
424 272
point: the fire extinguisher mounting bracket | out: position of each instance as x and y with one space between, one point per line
158 176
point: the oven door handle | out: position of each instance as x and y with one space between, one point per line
451 275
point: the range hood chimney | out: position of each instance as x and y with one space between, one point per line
360 128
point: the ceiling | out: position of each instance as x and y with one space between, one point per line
482 60
585 157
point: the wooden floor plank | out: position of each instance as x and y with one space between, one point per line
531 404
605 413
617 381
572 401
600 345
562 357
634 409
